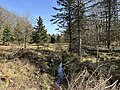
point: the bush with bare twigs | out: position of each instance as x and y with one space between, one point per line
86 81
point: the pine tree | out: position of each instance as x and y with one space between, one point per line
53 40
18 34
64 18
71 16
6 35
39 35
78 24
58 38
106 20
34 37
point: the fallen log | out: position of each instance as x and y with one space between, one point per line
94 49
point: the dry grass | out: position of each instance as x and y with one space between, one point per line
16 75
86 81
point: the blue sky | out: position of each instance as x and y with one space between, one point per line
36 8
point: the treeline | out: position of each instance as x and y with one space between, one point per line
89 22
18 30
40 36
14 28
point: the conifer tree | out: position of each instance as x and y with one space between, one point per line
6 35
53 38
64 17
58 38
39 35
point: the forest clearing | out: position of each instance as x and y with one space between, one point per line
30 69
81 52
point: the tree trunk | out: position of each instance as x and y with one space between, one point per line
109 24
70 31
25 41
79 31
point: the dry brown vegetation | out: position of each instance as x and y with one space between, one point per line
86 81
31 69
18 73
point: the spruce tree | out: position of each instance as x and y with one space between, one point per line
53 38
64 17
39 35
58 38
18 35
6 35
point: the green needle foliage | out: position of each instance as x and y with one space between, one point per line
39 35
6 35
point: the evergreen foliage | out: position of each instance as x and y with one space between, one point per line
39 35
58 38
6 35
70 17
53 38
18 34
